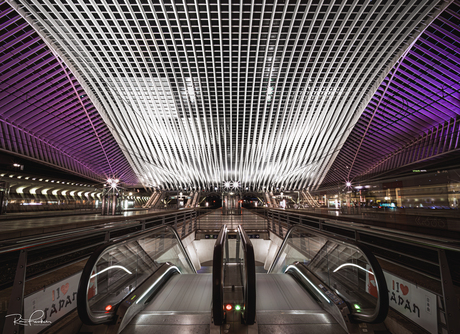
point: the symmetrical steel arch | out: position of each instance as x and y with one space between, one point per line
414 115
199 92
275 95
45 114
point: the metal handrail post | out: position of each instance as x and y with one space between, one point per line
448 294
17 296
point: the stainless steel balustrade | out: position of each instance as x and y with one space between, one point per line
246 258
218 259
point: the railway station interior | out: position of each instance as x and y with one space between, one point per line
203 166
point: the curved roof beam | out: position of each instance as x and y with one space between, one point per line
265 93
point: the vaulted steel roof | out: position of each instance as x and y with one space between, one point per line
199 92
45 114
419 98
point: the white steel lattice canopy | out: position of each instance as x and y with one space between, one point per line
200 92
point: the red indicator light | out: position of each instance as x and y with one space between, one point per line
228 307
108 308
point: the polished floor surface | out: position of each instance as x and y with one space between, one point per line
30 225
182 306
215 219
283 306
27 222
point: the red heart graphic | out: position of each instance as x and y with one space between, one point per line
404 289
65 288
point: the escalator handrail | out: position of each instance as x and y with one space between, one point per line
82 292
278 254
382 305
249 314
383 300
218 312
136 301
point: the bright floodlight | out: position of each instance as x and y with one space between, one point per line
236 184
348 184
227 184
109 181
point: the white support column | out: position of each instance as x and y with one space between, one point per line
189 201
150 200
195 199
156 199
273 200
268 200
312 200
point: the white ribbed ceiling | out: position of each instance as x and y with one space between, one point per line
200 92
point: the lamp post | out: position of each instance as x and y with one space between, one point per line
179 197
110 194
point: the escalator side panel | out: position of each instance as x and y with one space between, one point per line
182 293
221 244
139 298
183 305
300 328
283 306
282 292
196 324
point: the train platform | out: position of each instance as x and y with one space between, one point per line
441 223
54 213
17 225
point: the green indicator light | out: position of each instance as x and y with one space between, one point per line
357 306
237 307
133 297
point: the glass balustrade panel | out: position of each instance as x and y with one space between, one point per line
124 266
341 266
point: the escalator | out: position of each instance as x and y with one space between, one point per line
121 278
320 283
145 282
